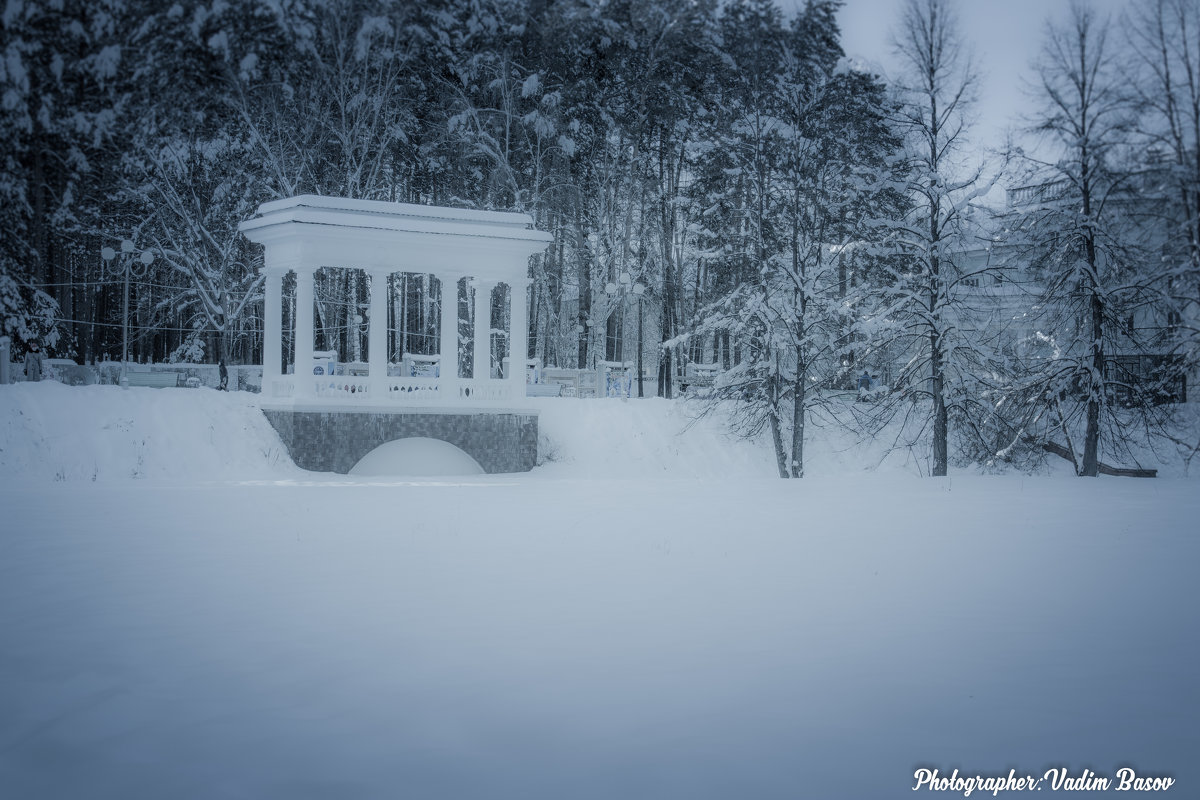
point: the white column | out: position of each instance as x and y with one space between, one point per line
304 331
518 335
272 330
449 329
483 329
377 333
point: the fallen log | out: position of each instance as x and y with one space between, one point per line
1127 472
1120 472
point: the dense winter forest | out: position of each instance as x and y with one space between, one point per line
794 219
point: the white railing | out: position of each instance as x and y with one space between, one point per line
416 391
489 391
401 391
279 387
342 387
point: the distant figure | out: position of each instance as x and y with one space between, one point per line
33 363
864 383
224 387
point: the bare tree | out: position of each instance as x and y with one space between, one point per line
1088 232
811 150
936 91
1165 37
198 203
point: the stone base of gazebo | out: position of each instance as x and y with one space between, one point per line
334 440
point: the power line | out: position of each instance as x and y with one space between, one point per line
154 327
113 283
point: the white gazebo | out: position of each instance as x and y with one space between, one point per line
305 233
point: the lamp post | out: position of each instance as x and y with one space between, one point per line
624 285
145 258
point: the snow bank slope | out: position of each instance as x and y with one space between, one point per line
49 431
650 438
53 432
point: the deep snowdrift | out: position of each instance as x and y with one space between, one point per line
49 431
647 615
592 639
650 438
53 432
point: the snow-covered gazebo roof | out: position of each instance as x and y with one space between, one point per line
309 231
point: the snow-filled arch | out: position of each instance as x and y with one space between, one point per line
417 455
331 440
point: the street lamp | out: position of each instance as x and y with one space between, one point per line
618 290
127 267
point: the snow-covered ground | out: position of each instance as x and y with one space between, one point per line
52 432
648 615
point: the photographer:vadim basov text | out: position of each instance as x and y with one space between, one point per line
1126 779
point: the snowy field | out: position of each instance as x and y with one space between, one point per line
183 614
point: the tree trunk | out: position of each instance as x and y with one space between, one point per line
936 364
1091 439
352 327
798 413
585 300
776 432
1096 388
939 405
666 365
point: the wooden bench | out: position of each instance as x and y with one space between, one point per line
567 381
697 374
153 380
589 384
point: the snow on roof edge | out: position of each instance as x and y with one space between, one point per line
387 208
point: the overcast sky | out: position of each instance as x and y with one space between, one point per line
1004 35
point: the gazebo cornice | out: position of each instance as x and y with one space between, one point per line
323 212
309 232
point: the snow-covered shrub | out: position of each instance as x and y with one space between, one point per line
190 352
27 314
